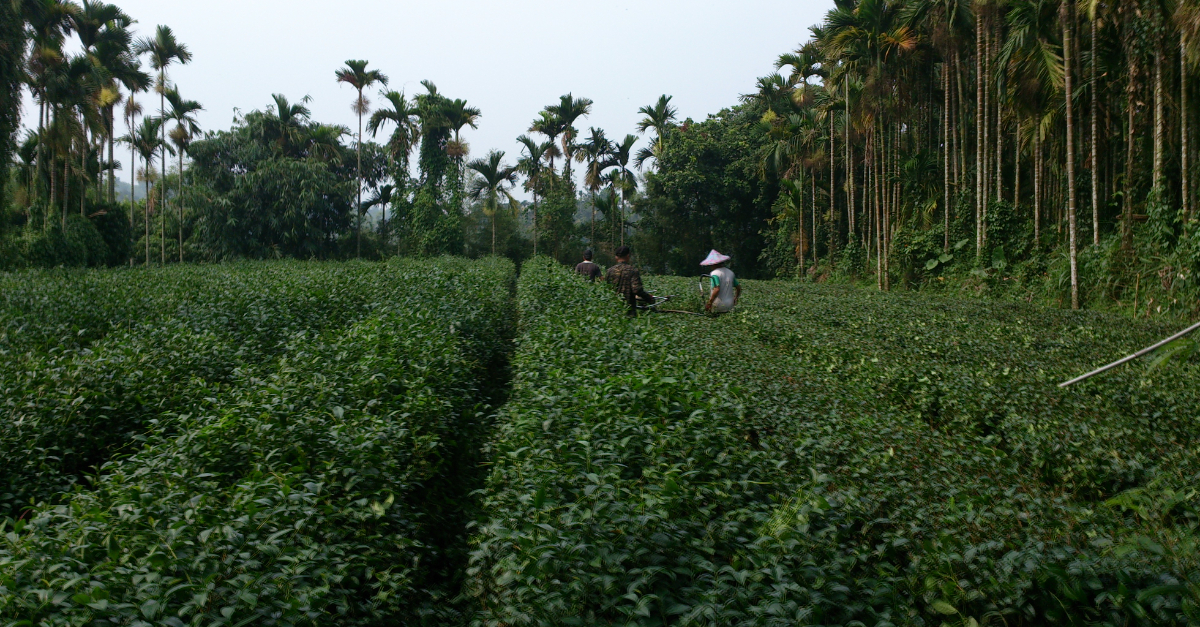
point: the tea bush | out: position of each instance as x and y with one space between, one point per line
93 358
314 488
620 482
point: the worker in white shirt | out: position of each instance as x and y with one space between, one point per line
725 291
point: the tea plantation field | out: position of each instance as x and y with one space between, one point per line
835 457
438 442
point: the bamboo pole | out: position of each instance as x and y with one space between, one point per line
1144 351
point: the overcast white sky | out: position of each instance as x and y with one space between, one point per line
508 58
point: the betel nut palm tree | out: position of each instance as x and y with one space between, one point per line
493 186
565 113
186 127
597 149
164 50
658 117
145 139
356 75
405 115
530 164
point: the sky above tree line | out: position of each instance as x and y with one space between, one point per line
510 59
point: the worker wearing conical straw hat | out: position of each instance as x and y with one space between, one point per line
724 291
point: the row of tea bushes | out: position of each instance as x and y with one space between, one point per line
623 486
257 303
157 344
308 491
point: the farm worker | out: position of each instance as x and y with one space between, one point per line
627 281
587 268
725 290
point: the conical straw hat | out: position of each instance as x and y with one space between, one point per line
714 258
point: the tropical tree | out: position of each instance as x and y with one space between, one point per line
659 117
381 198
596 149
131 112
103 31
145 139
624 180
186 128
49 23
493 186
405 115
549 124
568 110
530 165
357 76
164 50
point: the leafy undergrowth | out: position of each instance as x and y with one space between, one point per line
834 457
321 484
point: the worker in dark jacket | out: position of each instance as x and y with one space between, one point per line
627 281
587 268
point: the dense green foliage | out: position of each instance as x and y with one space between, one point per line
298 440
707 192
826 457
12 50
1043 150
276 184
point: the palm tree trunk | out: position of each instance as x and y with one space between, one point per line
66 191
622 225
181 203
849 165
1130 148
149 166
891 164
162 209
162 229
1159 120
1068 52
999 151
112 170
947 154
979 139
1017 170
53 205
535 233
83 153
132 186
877 158
41 164
493 234
358 207
987 136
1185 188
960 130
1037 185
800 245
1095 150
813 181
832 187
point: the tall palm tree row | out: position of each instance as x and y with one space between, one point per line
80 63
1031 101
